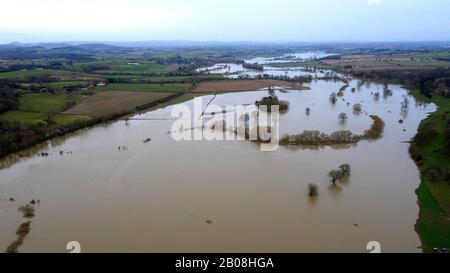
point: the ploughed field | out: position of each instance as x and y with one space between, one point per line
113 102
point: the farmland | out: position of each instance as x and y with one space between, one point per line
36 108
166 87
378 62
114 102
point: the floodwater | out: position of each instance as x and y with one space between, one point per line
292 57
234 71
222 196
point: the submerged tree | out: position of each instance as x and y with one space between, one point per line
271 101
376 96
345 169
357 108
334 175
404 104
313 190
342 117
333 98
387 92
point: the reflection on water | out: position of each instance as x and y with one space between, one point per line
145 198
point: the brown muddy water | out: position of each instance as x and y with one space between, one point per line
222 196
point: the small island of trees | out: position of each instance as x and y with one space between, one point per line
254 66
271 101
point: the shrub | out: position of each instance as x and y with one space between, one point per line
23 229
342 117
313 190
333 98
345 169
27 210
357 108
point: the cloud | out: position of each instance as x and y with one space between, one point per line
374 2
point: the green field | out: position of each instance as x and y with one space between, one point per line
124 66
36 117
431 55
46 103
24 73
434 196
56 85
60 75
189 54
34 108
158 79
167 87
430 63
143 67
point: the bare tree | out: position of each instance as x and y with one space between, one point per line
342 117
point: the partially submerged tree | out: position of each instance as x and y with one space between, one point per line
376 96
342 117
313 190
273 100
334 175
333 98
404 104
357 108
345 169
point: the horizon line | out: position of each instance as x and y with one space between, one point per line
80 42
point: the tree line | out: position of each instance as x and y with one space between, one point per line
8 97
426 81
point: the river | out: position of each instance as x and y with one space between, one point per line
223 196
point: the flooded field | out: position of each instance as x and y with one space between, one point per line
107 189
293 57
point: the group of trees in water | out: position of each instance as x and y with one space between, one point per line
340 137
255 66
272 101
426 81
344 171
297 79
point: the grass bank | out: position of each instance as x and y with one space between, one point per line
428 150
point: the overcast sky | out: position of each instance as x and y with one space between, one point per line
224 20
